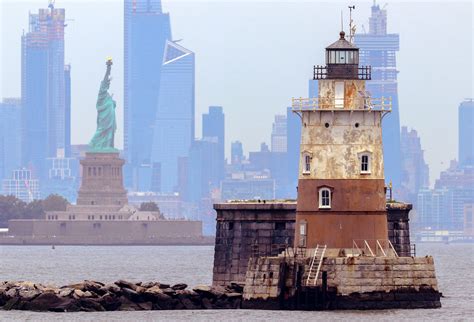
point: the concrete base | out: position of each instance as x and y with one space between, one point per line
362 283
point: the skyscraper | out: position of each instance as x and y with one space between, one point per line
43 89
22 185
415 171
279 133
146 30
213 126
378 49
293 137
10 131
174 122
466 133
203 171
67 98
236 152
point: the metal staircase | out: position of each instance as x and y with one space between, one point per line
315 266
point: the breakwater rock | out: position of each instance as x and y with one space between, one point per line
119 296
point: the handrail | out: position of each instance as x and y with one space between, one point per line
370 249
393 248
360 103
357 247
383 252
383 244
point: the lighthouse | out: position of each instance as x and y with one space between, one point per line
341 188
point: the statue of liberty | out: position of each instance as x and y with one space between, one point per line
103 139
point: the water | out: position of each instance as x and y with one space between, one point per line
193 265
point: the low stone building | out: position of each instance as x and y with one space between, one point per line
253 229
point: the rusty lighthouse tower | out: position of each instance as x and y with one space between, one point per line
341 187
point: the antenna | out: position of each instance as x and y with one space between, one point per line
352 28
342 22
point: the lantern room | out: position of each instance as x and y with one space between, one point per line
342 62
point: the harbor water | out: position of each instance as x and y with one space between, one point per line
193 265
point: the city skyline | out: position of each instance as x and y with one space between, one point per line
272 93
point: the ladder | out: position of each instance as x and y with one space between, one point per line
317 260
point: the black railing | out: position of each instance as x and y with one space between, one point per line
342 71
365 72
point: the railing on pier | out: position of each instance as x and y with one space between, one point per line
373 248
383 104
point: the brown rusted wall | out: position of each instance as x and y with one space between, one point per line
340 229
347 194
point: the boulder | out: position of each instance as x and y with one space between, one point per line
207 304
109 302
127 305
202 289
163 286
147 306
188 303
80 294
11 293
169 291
28 294
140 290
125 284
90 305
51 302
149 284
11 304
95 287
163 302
131 294
218 291
77 286
26 285
152 293
65 292
179 286
111 288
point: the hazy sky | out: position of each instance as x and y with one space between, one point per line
252 57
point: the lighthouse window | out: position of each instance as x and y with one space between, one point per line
307 164
342 57
339 95
324 198
303 233
365 163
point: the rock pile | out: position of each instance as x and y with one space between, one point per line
119 296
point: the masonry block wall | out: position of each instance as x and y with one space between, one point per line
249 229
354 283
398 227
379 274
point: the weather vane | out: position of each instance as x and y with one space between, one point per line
352 27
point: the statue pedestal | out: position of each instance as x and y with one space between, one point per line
102 180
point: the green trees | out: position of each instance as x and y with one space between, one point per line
14 208
55 203
149 206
